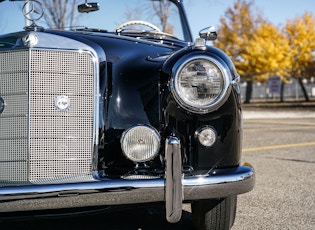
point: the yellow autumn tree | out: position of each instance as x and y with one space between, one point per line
234 34
301 34
267 53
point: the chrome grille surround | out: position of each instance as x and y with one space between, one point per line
38 143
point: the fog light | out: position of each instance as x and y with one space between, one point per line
140 143
206 136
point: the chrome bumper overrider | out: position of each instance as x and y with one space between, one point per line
120 191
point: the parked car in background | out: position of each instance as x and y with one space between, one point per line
123 108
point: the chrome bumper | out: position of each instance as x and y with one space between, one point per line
120 191
174 189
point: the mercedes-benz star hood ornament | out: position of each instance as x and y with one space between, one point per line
33 11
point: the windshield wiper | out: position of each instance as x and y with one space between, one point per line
144 33
87 29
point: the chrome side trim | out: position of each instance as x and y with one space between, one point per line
120 191
173 190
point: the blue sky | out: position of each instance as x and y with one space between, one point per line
201 13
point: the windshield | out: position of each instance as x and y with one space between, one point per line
139 15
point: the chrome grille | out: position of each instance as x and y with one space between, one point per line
13 120
38 143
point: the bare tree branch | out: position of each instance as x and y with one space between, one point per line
163 11
59 14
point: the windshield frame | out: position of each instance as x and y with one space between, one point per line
181 24
184 20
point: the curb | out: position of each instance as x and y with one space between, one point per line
278 114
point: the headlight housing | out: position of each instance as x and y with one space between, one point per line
201 84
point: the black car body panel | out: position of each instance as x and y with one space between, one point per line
93 100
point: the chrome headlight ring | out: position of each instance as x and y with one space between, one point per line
201 84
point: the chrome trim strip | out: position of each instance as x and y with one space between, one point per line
96 92
174 188
29 113
120 191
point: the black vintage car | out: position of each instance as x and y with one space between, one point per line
128 111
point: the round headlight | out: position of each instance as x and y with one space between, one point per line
201 84
140 143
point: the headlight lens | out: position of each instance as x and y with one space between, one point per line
206 136
200 84
140 143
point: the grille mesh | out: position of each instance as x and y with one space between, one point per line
13 120
38 143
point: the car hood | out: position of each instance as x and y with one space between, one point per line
119 45
131 77
130 71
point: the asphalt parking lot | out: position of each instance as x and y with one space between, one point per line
281 147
